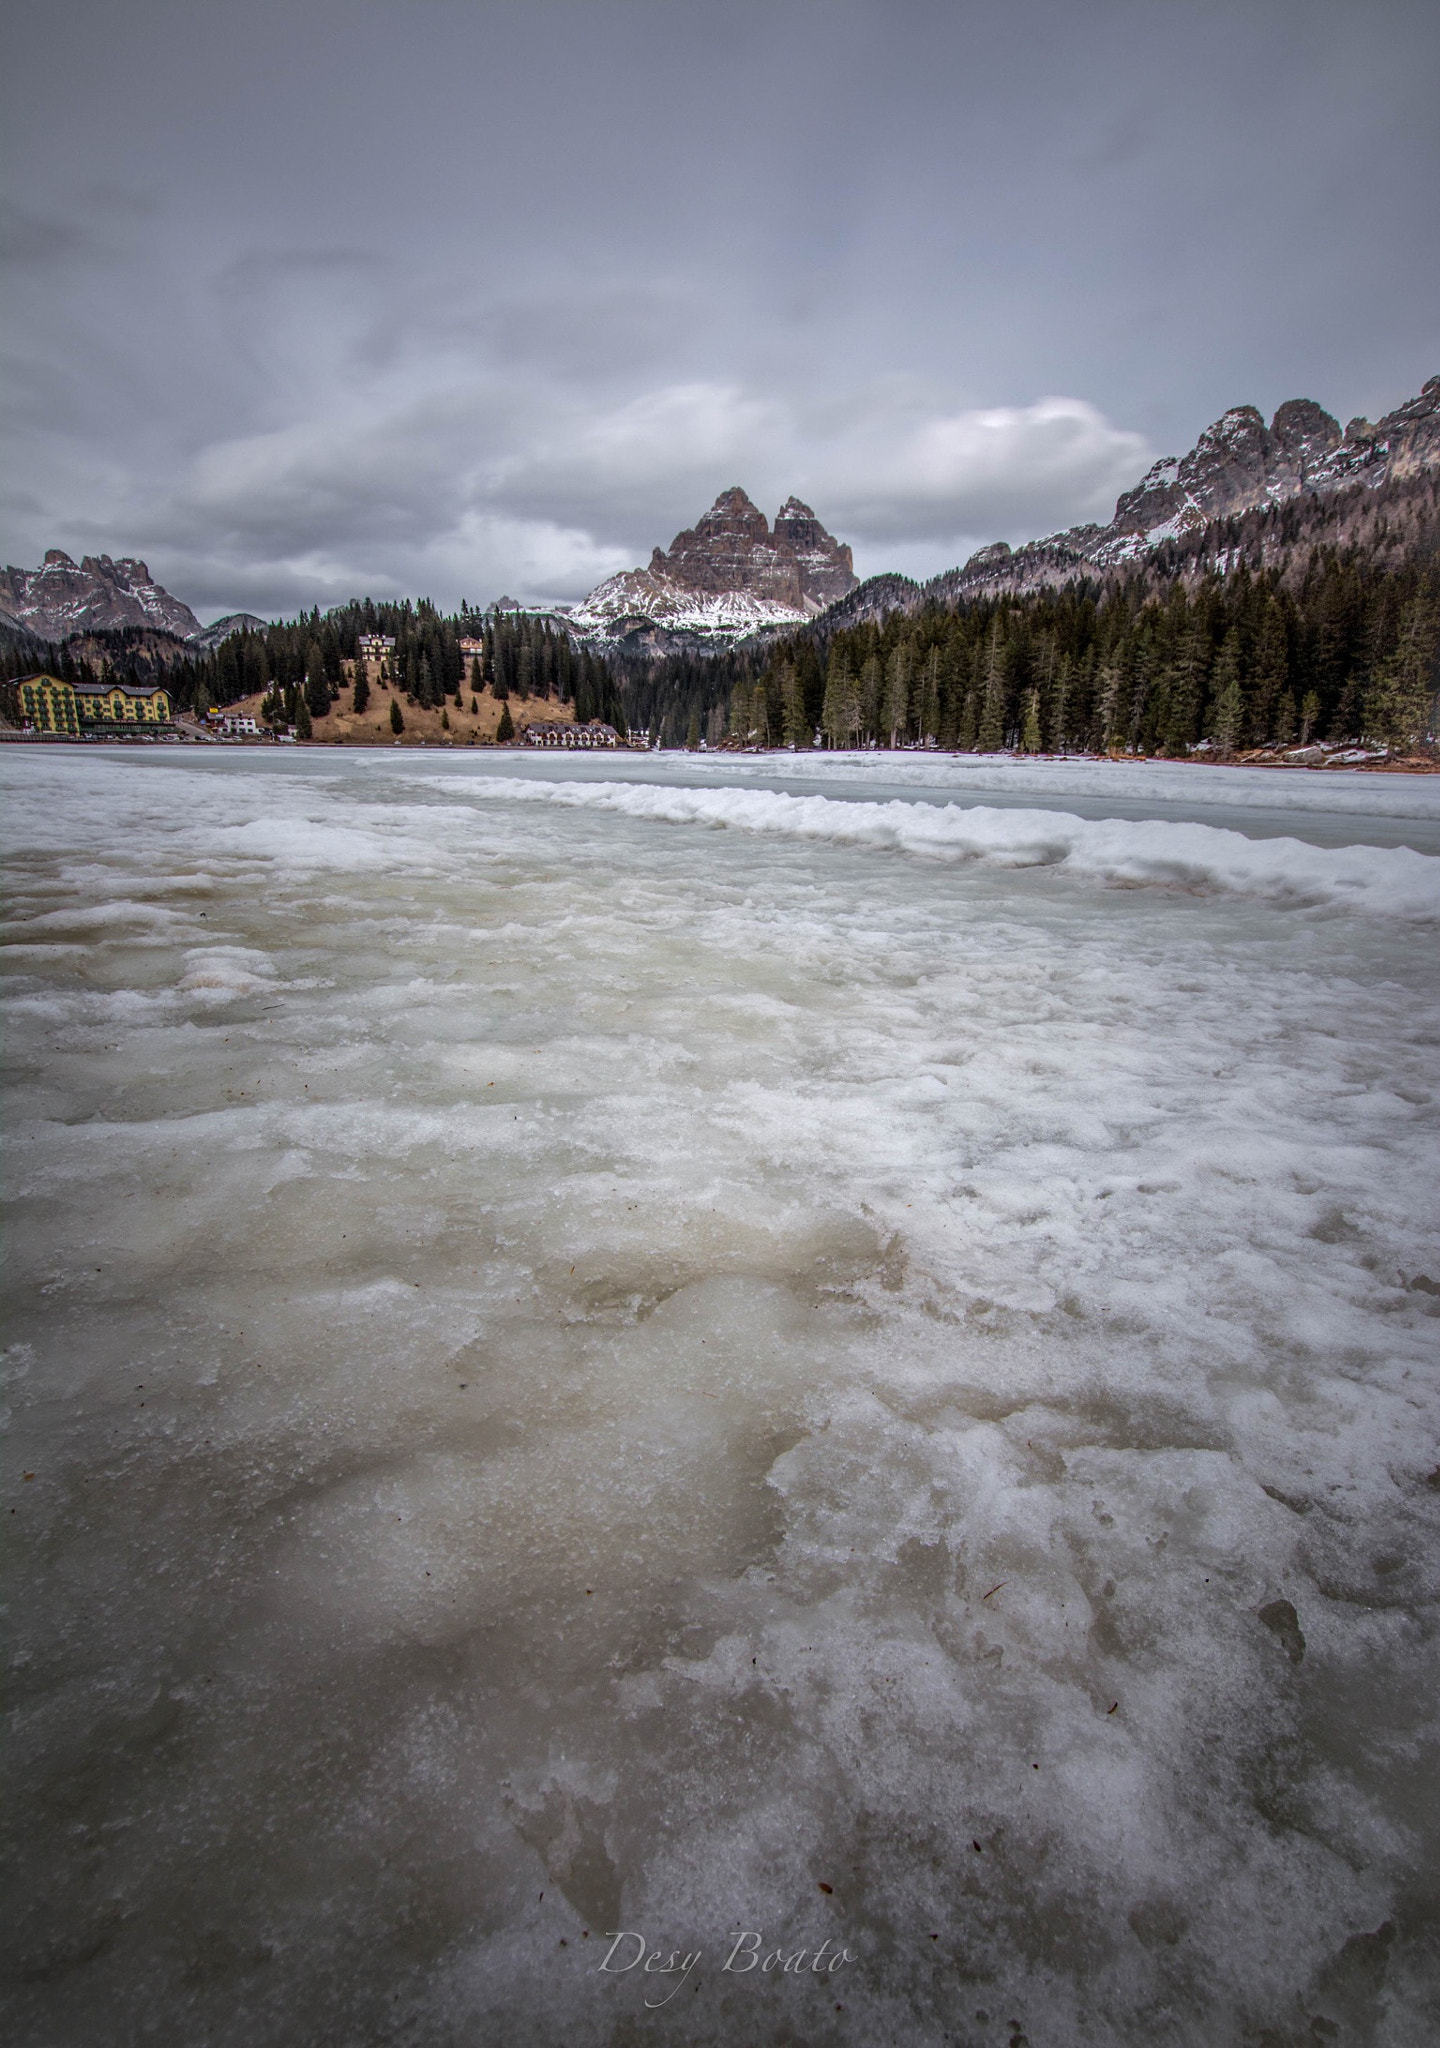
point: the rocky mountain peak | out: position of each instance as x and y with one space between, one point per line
728 572
731 548
99 596
1237 466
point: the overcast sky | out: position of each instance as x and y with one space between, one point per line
447 297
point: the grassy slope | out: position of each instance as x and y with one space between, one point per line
422 728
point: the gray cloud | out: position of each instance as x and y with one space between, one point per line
459 298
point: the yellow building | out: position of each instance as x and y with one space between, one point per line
47 703
123 704
50 704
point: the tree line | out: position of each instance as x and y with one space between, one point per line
1252 659
301 666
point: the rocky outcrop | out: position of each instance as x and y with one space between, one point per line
1239 466
99 596
728 575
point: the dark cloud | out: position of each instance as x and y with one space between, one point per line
460 297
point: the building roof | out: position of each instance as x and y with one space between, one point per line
126 689
92 689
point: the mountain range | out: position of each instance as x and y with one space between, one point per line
61 599
1266 494
1238 466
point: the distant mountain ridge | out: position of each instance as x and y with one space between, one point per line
1238 470
728 575
97 596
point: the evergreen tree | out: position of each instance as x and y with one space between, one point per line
444 719
1109 708
1030 738
1187 679
991 735
1060 704
505 730
795 727
839 690
397 716
871 691
304 728
1227 706
1271 687
927 713
895 716
1400 704
317 683
362 686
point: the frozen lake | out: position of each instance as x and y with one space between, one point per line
841 1349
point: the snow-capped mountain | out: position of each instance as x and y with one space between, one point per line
59 599
210 637
1238 465
729 575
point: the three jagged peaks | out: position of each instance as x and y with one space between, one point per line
733 548
731 571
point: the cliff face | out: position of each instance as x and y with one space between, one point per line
1239 468
99 596
728 574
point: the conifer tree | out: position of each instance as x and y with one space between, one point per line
1030 737
927 714
794 725
1227 704
1271 686
362 685
317 683
1109 709
839 689
1400 704
303 725
991 734
1060 704
397 716
505 730
895 716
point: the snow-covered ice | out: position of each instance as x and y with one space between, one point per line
866 1375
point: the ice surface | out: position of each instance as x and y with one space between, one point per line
1391 880
1169 782
586 1371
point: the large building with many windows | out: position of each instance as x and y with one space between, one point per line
50 704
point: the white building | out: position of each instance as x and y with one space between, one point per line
560 733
